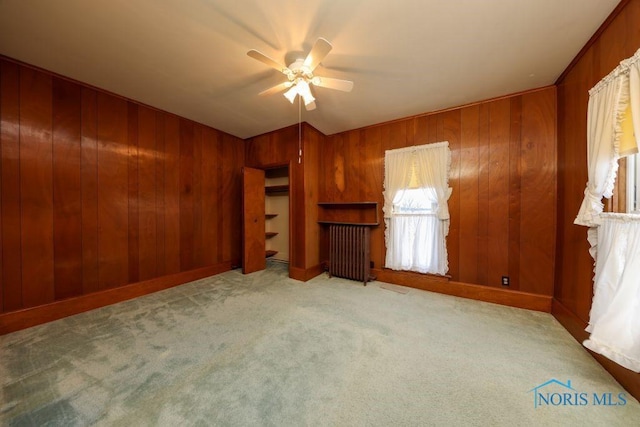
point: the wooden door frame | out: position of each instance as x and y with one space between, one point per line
291 216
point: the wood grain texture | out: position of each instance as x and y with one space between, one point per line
312 149
442 285
95 190
134 196
484 209
468 207
147 204
160 208
11 218
280 148
186 169
616 40
67 197
198 238
515 191
538 176
451 129
253 226
485 237
1 283
171 194
498 191
113 192
211 196
22 319
89 191
36 187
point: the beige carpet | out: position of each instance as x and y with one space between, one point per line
264 349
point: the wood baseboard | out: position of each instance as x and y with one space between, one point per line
22 319
443 285
305 274
575 326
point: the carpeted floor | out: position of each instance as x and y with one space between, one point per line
264 349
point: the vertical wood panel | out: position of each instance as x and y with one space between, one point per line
483 194
89 189
312 146
1 281
374 158
171 194
227 197
468 208
353 169
573 286
160 192
212 196
147 176
538 191
198 238
134 227
11 217
515 192
498 226
67 200
186 195
36 187
451 132
113 192
236 192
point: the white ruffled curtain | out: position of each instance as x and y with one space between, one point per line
614 320
416 242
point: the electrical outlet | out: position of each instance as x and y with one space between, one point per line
505 280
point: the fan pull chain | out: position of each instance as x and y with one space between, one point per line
299 129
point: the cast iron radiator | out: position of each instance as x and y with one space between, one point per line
349 252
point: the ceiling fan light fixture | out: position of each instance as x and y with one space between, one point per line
300 75
291 93
301 87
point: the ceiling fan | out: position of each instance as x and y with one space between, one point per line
300 76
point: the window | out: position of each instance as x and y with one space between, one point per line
416 212
613 126
633 184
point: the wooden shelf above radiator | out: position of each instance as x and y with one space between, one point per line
350 213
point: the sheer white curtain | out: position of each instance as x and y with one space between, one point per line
417 219
608 103
614 321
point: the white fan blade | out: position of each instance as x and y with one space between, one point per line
319 50
343 85
276 88
266 60
310 106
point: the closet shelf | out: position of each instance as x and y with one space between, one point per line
270 215
276 190
270 234
270 253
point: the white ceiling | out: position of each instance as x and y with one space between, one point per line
405 57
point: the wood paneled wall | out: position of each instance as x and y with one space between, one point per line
617 39
281 147
98 192
503 175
